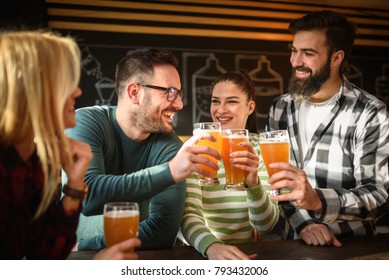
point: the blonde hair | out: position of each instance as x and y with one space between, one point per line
39 70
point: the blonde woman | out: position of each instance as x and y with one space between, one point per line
39 76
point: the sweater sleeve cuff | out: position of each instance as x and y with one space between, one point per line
206 242
95 243
255 193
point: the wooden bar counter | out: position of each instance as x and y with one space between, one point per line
370 247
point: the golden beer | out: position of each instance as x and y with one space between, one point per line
274 152
214 145
274 147
121 222
213 128
231 139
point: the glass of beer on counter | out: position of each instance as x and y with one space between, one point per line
230 143
215 129
121 221
274 146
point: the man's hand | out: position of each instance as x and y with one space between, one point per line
296 180
190 156
120 251
318 234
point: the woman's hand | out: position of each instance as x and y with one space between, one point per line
248 161
218 251
82 156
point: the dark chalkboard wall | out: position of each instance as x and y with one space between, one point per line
268 62
198 67
208 38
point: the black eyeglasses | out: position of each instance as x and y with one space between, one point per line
172 92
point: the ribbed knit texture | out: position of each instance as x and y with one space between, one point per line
213 214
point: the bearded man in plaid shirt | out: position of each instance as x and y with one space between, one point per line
338 170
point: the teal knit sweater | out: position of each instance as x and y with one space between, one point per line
126 170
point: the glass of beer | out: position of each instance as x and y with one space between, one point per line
215 129
121 221
230 140
274 146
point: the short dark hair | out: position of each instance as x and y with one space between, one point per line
340 32
140 62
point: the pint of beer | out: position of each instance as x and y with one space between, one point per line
213 128
230 143
121 221
274 147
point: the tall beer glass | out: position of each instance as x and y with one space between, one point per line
215 129
274 147
121 221
230 140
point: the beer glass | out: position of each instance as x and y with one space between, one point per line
121 221
213 128
230 140
274 146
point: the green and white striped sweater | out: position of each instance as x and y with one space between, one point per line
213 214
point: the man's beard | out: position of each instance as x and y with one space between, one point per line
145 120
305 88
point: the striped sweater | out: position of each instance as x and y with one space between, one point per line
213 214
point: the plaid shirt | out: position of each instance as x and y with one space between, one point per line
52 235
346 162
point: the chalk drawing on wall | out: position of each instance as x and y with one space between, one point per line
201 82
268 83
106 91
199 71
90 65
105 87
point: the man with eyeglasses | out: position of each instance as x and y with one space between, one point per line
136 155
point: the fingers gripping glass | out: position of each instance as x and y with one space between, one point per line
172 92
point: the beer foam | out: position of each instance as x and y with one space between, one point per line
273 141
122 214
234 136
204 131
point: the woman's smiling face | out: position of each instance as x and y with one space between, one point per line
229 105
